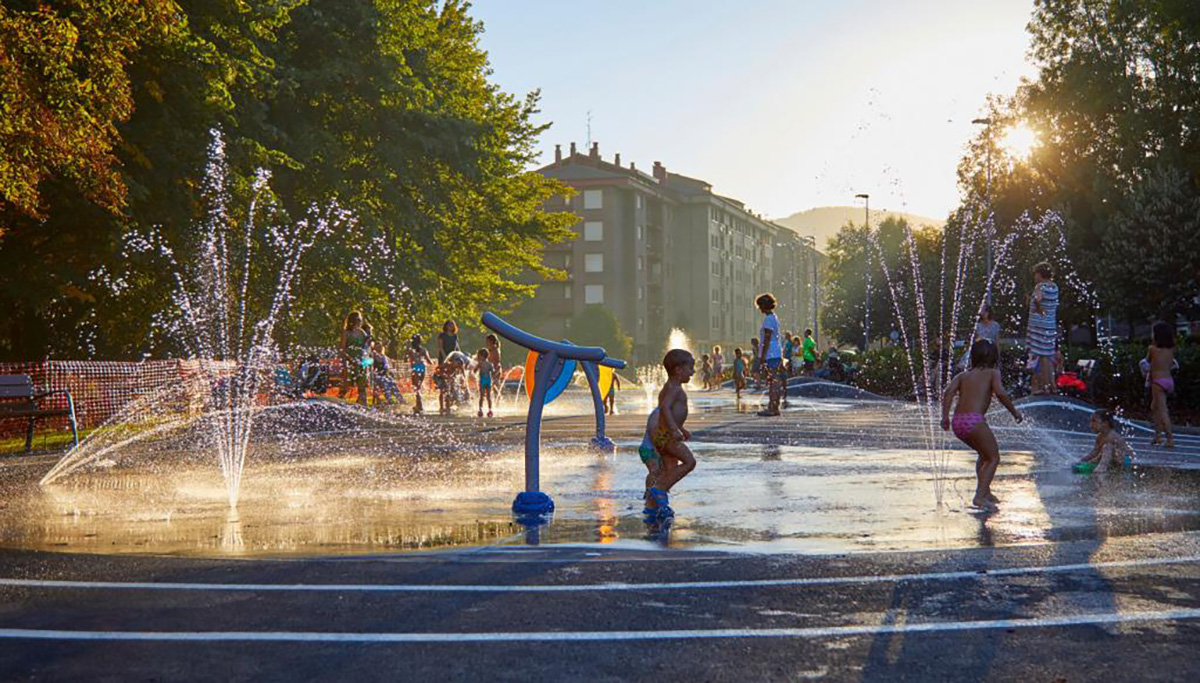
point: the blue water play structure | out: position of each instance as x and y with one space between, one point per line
555 364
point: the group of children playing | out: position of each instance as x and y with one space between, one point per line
368 369
668 459
975 387
664 450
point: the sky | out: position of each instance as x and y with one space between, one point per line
785 105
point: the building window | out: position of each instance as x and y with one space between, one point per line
567 291
716 322
639 201
593 231
641 322
593 263
716 296
639 233
641 263
593 294
567 262
716 268
593 199
641 293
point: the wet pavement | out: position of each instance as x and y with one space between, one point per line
828 477
811 546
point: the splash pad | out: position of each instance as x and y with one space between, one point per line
830 476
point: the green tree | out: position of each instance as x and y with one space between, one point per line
387 106
1151 256
64 87
597 326
383 106
1116 102
856 258
185 80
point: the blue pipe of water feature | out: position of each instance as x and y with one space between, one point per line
600 441
532 502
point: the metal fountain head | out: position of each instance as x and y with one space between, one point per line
532 503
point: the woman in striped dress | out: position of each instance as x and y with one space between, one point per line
1043 328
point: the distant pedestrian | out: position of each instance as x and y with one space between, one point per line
493 349
483 370
447 340
610 401
755 363
419 361
382 380
772 353
354 355
739 372
810 352
1160 358
1043 328
718 362
788 351
986 327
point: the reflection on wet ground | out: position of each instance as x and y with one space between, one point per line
828 477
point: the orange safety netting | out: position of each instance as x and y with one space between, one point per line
99 388
102 388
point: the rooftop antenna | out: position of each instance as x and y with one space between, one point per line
589 130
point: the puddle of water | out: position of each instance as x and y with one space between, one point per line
746 497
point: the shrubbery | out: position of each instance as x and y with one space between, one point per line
1116 381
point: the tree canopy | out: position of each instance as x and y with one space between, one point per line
384 107
597 326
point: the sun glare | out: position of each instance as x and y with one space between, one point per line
1019 141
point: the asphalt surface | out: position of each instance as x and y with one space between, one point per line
1122 610
1108 607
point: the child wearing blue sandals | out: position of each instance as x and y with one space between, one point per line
650 458
668 434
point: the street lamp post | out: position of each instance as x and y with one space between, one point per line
867 221
816 292
990 222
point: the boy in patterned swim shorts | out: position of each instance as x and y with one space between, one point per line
650 458
669 433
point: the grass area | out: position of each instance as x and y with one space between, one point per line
43 440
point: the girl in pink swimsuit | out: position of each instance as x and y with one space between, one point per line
974 389
1161 356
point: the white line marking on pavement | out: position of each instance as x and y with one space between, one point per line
596 587
577 636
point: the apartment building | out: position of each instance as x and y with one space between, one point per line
663 251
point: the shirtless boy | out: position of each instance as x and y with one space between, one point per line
669 436
975 388
651 460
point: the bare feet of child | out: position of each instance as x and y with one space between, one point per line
992 497
983 502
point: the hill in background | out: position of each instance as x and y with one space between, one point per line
825 221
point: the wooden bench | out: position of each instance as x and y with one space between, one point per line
19 401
